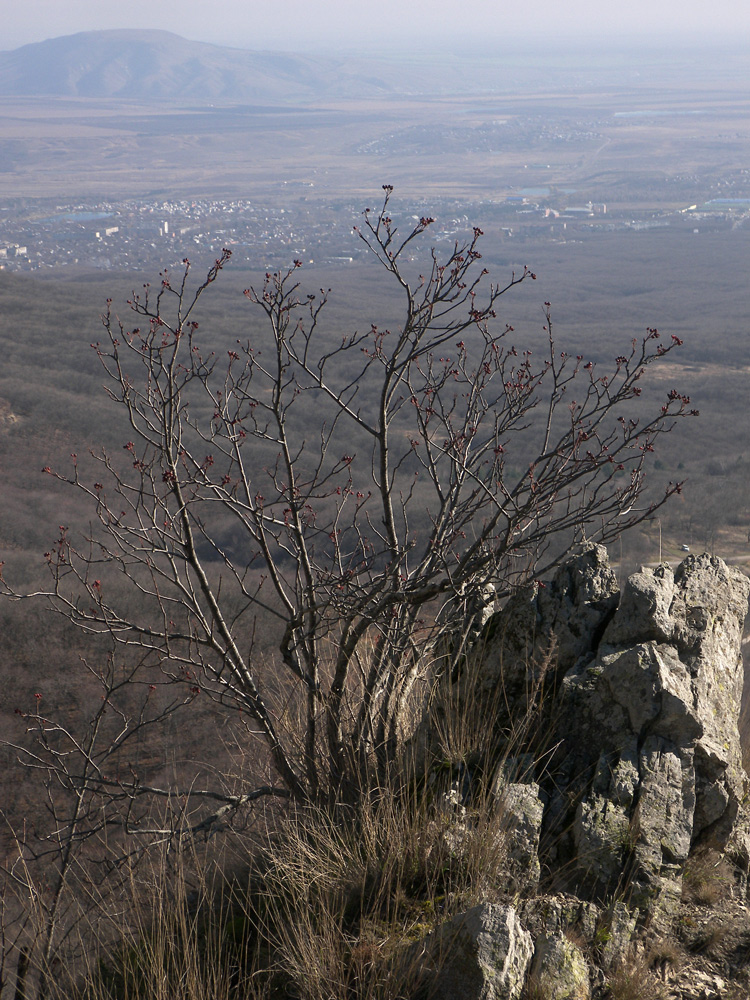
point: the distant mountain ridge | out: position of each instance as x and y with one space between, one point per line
149 65
159 65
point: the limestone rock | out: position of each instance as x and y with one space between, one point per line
482 954
638 696
561 913
642 715
563 617
523 811
616 935
559 970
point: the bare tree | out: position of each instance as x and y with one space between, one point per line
362 494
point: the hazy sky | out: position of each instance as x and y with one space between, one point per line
373 24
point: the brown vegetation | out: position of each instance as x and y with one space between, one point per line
444 460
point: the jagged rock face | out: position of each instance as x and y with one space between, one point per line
546 627
641 696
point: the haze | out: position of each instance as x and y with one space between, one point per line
621 177
300 25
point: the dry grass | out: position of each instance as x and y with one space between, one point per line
707 878
710 941
664 952
324 904
166 934
635 981
330 909
350 899
347 894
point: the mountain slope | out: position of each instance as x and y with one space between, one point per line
159 65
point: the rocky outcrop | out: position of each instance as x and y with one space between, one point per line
641 693
617 712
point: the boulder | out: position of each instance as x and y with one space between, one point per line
481 954
559 970
549 914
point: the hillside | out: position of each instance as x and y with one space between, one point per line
158 65
132 64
